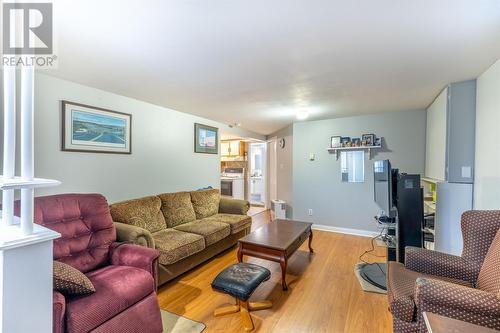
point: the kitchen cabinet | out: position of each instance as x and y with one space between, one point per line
234 148
450 137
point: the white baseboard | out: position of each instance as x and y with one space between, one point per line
348 231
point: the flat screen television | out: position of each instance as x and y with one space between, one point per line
382 191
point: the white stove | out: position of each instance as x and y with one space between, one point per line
232 183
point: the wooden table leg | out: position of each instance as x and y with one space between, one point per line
283 264
310 242
240 255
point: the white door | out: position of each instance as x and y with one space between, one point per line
258 173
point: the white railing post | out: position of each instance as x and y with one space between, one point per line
9 146
27 129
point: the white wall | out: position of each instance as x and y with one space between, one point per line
487 168
162 158
435 149
317 184
284 165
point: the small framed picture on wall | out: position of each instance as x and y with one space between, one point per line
206 139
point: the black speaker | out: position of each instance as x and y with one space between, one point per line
409 202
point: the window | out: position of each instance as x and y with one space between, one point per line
352 166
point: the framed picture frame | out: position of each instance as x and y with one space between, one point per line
206 139
369 139
356 142
335 141
345 141
90 129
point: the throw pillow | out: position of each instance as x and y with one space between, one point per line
70 281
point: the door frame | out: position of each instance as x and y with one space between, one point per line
272 170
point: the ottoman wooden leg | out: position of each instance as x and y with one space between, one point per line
255 306
226 310
245 316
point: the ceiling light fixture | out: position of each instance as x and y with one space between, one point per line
302 114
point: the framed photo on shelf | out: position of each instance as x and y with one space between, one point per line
369 139
206 139
91 129
345 141
356 142
336 141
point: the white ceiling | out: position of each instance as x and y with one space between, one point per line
257 62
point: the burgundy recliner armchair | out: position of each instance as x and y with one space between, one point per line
465 287
122 274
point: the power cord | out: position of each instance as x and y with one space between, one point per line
372 241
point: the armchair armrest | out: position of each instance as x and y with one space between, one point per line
123 254
463 302
441 264
233 206
135 235
58 311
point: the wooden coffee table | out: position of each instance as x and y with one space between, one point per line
276 241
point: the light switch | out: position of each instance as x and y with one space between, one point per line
312 157
466 172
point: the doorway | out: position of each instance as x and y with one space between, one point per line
258 174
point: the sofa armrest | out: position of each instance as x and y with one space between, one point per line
122 254
439 296
233 206
135 235
58 311
441 264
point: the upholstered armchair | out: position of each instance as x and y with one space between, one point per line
465 287
123 275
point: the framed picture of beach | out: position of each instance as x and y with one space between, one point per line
91 129
206 139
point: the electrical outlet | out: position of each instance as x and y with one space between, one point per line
310 212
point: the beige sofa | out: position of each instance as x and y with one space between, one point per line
187 227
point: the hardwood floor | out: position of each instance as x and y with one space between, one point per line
323 295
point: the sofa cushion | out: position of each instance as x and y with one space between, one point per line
117 288
85 225
70 281
212 231
401 289
236 222
175 245
177 208
144 213
205 202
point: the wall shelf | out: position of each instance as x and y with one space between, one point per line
367 148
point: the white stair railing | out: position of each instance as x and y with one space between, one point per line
26 254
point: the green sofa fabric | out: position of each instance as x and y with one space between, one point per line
177 208
235 222
213 231
187 228
144 213
233 206
205 202
131 234
175 245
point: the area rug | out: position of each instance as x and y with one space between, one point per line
173 323
364 284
